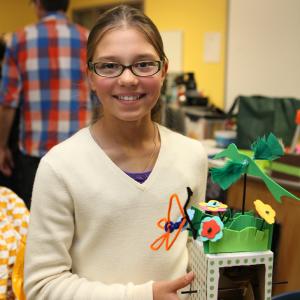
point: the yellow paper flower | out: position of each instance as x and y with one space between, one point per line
265 211
213 206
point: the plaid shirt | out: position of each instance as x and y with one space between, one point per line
44 75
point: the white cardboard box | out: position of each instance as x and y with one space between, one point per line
207 270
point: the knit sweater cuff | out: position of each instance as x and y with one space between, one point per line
142 291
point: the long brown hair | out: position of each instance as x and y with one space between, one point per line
126 16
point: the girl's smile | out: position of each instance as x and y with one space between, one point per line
129 98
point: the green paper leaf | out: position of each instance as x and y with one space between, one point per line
228 174
267 148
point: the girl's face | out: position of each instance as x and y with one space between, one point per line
127 97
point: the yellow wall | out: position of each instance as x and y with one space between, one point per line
87 3
14 14
193 17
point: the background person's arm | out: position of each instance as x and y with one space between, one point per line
7 115
11 84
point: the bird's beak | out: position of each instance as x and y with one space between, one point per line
220 155
226 152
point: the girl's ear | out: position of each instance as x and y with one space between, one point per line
89 76
164 72
165 69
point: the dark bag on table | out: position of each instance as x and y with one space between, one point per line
259 115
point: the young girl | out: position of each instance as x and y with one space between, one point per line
98 196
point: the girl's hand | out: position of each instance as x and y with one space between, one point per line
167 290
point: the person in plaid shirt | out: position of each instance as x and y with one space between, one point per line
44 74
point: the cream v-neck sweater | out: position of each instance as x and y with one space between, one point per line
91 225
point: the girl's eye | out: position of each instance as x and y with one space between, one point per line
108 69
104 66
145 64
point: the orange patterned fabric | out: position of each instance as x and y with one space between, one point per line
14 220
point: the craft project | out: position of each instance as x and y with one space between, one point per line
244 231
219 228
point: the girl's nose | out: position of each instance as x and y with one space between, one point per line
128 78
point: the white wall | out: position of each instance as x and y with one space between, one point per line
263 51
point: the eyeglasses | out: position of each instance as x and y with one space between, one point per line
111 69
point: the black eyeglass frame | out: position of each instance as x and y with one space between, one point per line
92 67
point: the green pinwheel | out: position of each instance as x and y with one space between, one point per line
265 148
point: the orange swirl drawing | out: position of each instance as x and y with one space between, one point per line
166 225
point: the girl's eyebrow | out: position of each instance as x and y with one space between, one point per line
147 56
117 59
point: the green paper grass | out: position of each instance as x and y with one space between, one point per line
241 233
